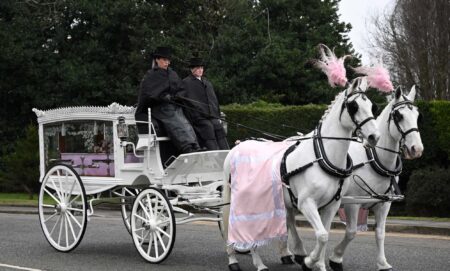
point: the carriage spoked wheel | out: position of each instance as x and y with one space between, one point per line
127 205
153 225
62 208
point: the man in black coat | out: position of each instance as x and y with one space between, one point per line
159 86
203 108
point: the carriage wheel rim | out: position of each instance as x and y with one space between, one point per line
126 214
153 226
63 221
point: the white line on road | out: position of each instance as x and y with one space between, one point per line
19 267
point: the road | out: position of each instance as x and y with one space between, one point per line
107 246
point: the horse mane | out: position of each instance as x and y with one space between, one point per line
384 115
337 98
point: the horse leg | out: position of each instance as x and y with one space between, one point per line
294 241
286 257
336 258
309 209
327 216
381 211
233 263
257 262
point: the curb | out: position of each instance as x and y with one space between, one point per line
397 228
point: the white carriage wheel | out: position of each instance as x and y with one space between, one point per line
153 225
62 208
126 206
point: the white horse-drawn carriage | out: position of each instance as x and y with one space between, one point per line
88 153
93 155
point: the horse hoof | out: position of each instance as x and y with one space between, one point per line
336 266
287 260
304 267
234 267
389 269
299 258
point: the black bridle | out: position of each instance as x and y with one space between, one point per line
352 108
396 117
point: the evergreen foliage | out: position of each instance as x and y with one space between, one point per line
428 191
22 166
80 52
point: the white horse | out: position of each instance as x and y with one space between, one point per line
399 132
314 187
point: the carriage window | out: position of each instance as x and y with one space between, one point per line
129 154
86 145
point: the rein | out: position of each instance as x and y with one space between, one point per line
282 125
271 135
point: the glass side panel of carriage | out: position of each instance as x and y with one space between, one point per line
86 145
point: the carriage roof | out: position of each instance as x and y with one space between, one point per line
110 112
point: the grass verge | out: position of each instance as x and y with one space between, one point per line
20 199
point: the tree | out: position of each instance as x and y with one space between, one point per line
415 38
95 52
262 51
22 165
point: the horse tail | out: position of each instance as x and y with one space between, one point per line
226 196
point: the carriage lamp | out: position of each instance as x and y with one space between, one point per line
122 129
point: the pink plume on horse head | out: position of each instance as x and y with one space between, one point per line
378 77
332 66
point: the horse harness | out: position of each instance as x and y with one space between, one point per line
375 162
383 171
324 163
321 157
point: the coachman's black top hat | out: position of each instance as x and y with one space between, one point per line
161 51
196 62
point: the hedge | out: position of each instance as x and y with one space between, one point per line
273 118
428 192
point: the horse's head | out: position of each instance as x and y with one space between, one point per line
403 124
357 111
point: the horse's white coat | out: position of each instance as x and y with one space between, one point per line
390 138
314 187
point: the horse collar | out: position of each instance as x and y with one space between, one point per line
376 164
323 160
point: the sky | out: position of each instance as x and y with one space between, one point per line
359 13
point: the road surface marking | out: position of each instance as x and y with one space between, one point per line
19 267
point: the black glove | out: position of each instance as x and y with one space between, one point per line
166 98
177 98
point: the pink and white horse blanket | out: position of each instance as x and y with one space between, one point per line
257 211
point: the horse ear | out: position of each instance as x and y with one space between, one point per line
355 83
412 94
398 93
364 84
